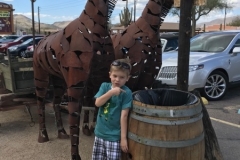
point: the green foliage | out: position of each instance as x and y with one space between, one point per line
125 17
235 22
198 11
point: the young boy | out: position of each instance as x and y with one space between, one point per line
114 101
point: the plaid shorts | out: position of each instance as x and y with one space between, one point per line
106 150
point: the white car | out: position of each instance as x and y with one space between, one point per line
214 63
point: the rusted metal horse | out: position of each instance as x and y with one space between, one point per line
141 43
70 57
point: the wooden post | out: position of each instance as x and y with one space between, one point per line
184 44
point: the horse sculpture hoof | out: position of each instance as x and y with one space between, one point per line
43 136
76 157
92 129
86 130
62 134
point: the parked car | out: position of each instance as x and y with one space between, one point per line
8 38
19 50
169 42
28 52
213 64
19 40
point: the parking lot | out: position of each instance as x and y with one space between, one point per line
225 119
19 140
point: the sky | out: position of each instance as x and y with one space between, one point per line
66 10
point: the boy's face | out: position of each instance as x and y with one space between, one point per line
118 78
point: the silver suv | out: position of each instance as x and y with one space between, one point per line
214 64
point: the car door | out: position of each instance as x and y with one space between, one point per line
234 61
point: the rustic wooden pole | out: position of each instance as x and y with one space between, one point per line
184 44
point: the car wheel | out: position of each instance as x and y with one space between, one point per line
216 86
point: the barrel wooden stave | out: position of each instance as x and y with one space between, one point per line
166 133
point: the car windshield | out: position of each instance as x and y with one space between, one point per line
7 37
16 40
27 41
211 42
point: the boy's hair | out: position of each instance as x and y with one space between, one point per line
121 64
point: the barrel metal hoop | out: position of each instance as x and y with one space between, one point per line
168 113
166 122
165 144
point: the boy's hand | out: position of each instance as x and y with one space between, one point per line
116 91
124 145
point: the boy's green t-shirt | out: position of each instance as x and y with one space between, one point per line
108 120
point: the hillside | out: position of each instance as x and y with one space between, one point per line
25 23
61 24
217 21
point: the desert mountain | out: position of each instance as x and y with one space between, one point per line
61 24
24 23
218 21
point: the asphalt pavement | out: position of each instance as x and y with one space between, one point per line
225 119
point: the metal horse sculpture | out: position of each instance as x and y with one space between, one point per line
140 42
70 57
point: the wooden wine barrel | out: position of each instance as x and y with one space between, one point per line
166 125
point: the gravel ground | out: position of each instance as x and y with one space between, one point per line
18 140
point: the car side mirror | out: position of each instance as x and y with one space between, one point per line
236 50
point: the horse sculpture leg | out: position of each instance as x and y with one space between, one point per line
74 121
75 79
85 127
41 79
59 90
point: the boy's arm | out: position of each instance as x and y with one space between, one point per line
124 123
105 97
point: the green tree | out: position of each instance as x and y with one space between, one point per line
125 16
199 11
235 22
